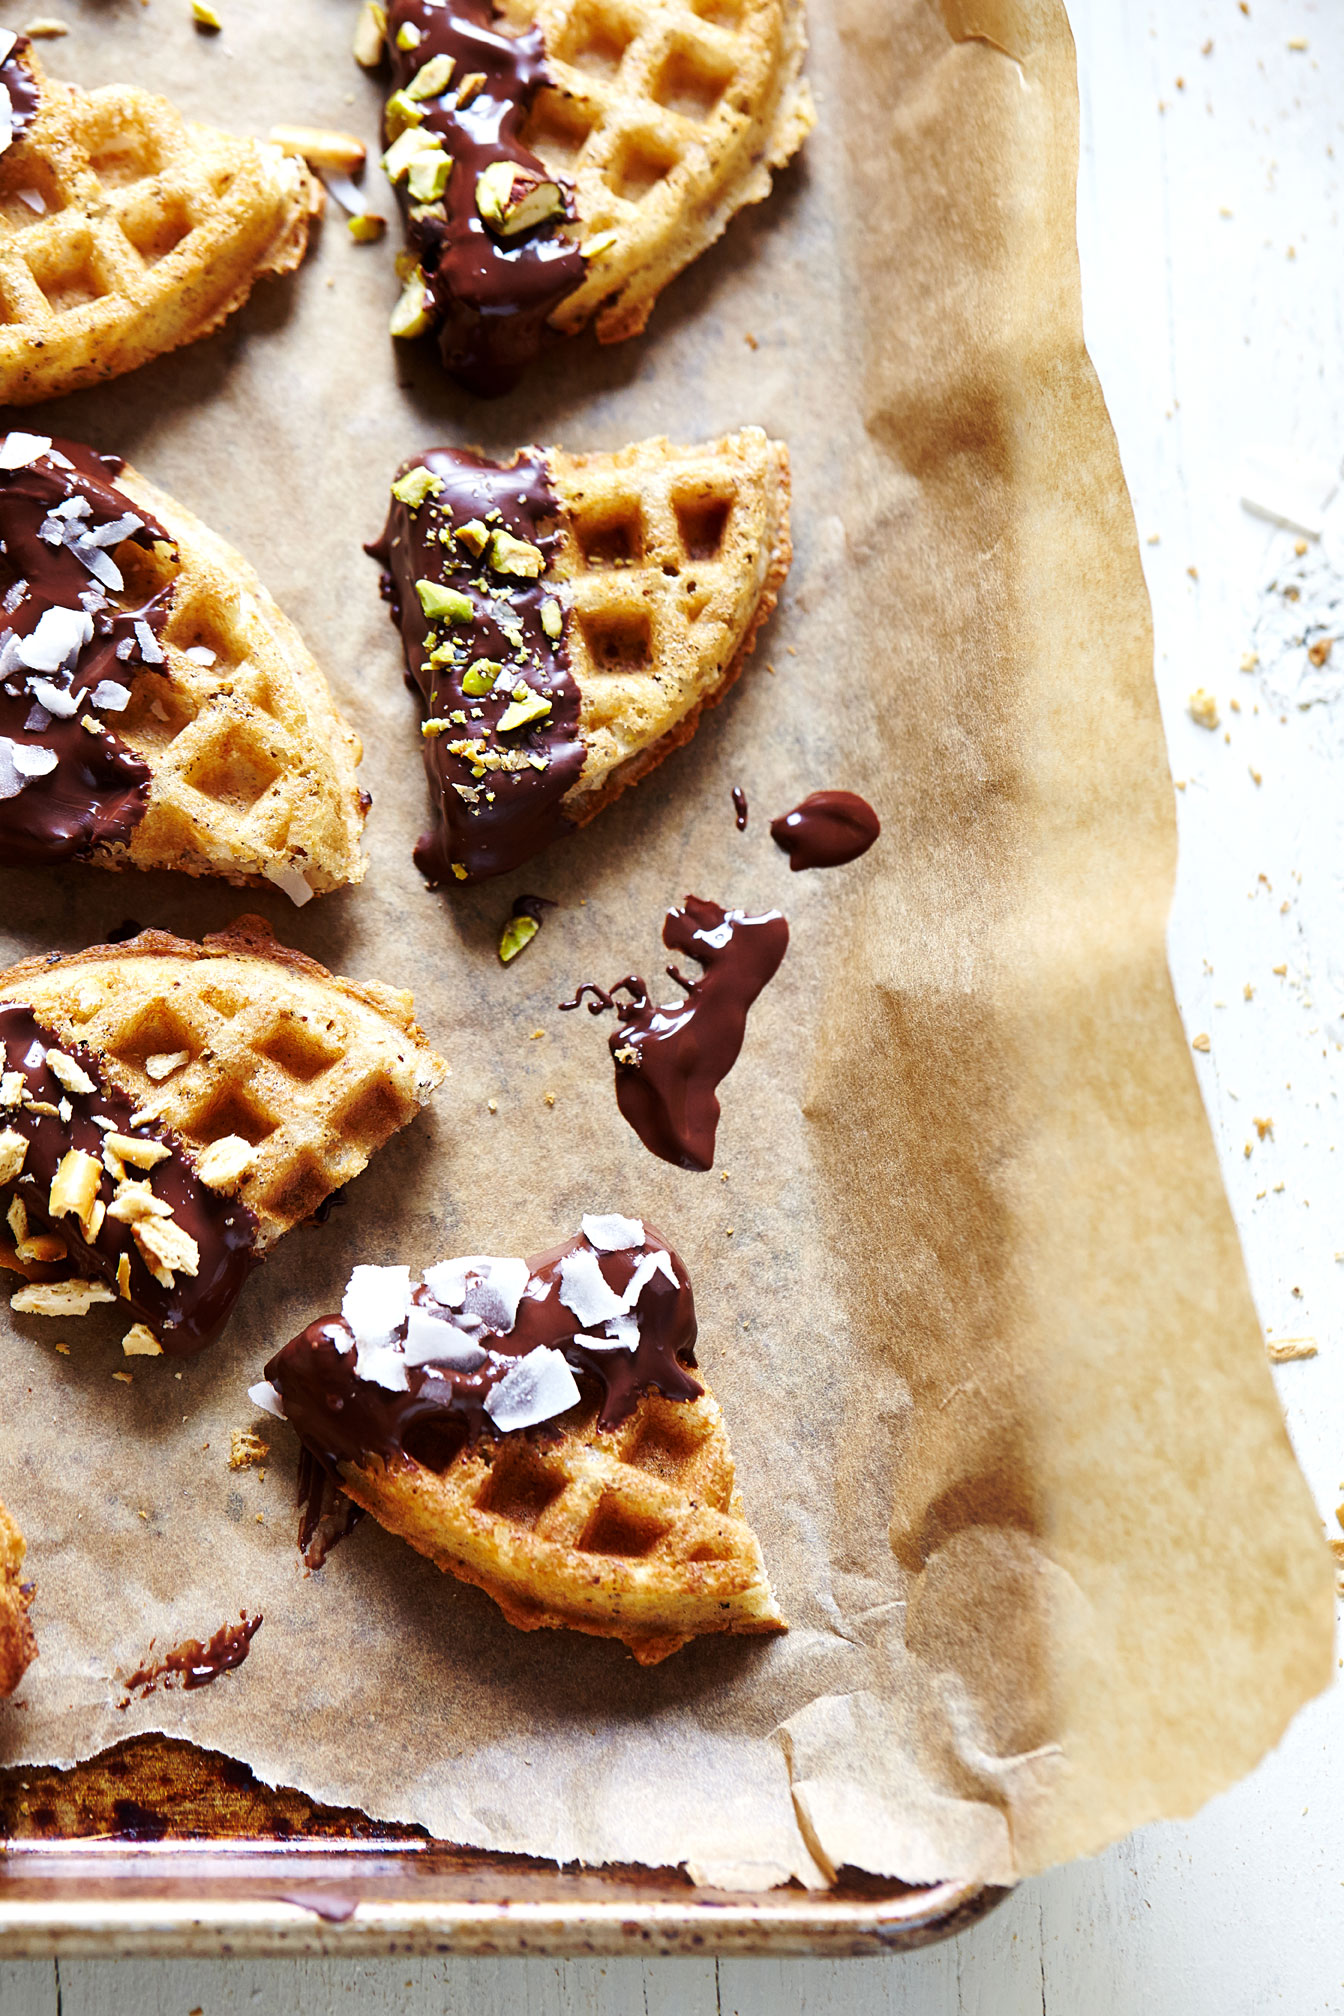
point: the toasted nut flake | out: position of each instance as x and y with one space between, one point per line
17 1218
367 228
113 1164
1203 708
46 27
74 1187
123 1378
322 147
43 1249
1285 1350
370 29
135 1202
205 17
143 1115
225 1162
245 1449
124 1277
43 1106
471 84
1200 1043
140 1342
13 1152
166 1249
140 1154
69 1073
11 1087
163 1063
60 1298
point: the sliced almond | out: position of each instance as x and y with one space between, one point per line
164 1062
140 1154
73 1076
140 1342
60 1298
225 1162
13 1152
74 1187
124 1277
17 1218
135 1202
166 1249
11 1088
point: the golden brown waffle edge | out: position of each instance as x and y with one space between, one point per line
18 1646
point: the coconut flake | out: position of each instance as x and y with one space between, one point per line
288 879
375 1303
35 1056
111 696
584 1290
60 634
264 1395
482 1285
433 1340
19 450
31 762
536 1389
612 1233
7 40
651 1264
35 200
382 1365
200 654
149 644
58 700
114 531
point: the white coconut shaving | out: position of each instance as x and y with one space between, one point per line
375 1304
149 644
264 1395
612 1233
58 700
435 1340
651 1264
481 1285
288 880
20 762
536 1389
19 450
59 637
584 1289
111 696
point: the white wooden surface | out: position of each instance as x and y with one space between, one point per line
1219 339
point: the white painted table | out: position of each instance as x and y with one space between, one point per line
1213 267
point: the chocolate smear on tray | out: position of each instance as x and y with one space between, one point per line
18 106
193 1663
826 830
491 286
72 637
671 1060
487 1346
464 551
54 1121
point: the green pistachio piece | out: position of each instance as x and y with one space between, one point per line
519 713
552 617
415 486
512 198
404 149
408 36
514 556
400 113
600 242
436 600
427 176
474 536
366 229
412 315
479 677
517 932
431 79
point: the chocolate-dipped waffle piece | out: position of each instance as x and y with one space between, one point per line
157 710
125 230
565 621
557 160
18 1646
537 1428
169 1110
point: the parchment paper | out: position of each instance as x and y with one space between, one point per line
970 1293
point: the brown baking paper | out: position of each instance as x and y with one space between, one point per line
970 1293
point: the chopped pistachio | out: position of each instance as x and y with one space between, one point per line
415 486
370 29
205 16
512 198
600 242
474 536
519 713
469 87
420 211
412 140
552 617
515 556
480 676
517 932
427 176
436 600
367 229
411 316
409 36
402 115
431 80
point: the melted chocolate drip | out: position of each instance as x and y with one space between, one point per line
740 807
342 1418
197 1665
670 1061
96 794
826 830
326 1515
190 1314
18 80
491 294
489 818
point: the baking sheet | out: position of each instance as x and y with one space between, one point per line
970 1296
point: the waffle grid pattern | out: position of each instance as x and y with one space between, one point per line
150 233
668 116
671 559
314 1076
633 1533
